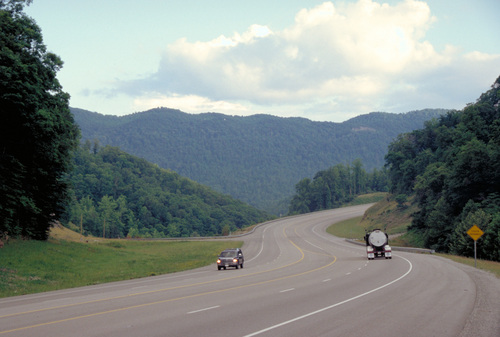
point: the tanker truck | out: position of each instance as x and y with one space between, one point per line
377 244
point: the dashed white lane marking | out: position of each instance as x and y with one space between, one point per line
204 309
287 290
335 304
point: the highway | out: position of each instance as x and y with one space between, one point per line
297 280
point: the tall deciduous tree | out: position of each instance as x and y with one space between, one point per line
37 131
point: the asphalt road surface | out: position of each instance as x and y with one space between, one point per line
297 281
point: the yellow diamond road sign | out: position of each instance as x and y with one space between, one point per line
475 232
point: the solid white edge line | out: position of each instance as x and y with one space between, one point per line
333 305
261 246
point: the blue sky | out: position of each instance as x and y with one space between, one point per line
321 60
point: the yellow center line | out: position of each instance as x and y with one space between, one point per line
148 292
168 300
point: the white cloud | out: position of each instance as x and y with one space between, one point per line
478 56
188 103
352 57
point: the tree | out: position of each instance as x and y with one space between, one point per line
359 176
461 243
299 202
37 131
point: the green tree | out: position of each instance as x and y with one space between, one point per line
334 186
89 216
359 176
37 131
300 201
462 243
490 241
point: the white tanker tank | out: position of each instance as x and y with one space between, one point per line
377 244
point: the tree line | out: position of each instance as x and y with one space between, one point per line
335 186
452 166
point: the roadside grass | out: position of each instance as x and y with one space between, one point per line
367 198
389 216
384 215
490 266
33 266
349 229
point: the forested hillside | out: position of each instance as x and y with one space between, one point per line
118 195
453 168
336 186
257 159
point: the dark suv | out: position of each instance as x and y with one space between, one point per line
230 258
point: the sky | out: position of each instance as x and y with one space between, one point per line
320 60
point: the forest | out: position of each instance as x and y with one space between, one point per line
452 167
257 159
336 186
37 130
117 195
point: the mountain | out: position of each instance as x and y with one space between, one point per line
257 159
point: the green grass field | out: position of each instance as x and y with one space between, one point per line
33 266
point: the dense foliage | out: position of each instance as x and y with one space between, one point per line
335 186
453 167
257 159
37 132
118 195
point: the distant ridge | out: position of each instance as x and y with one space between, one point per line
257 159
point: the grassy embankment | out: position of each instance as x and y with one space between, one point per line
385 215
68 260
388 216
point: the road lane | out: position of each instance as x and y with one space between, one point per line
297 281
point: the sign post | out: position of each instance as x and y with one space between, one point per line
475 233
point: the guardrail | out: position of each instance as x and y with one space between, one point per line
401 249
194 238
228 237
